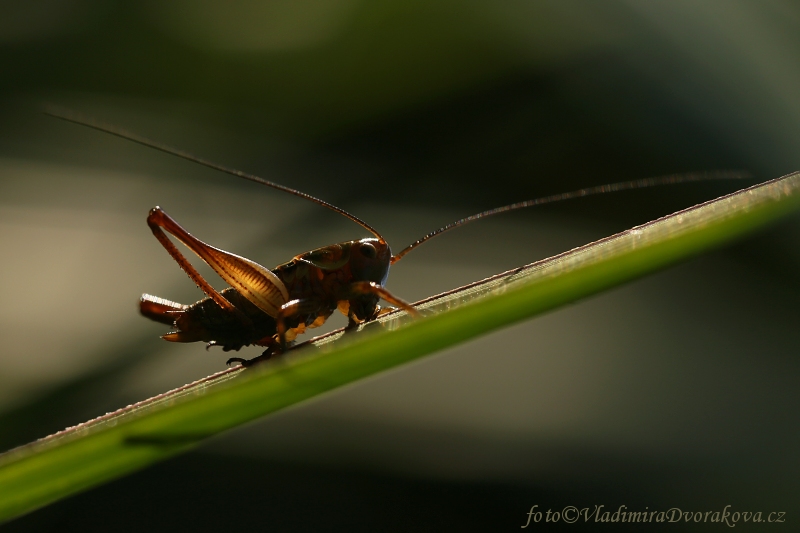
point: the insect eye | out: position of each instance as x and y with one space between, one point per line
368 250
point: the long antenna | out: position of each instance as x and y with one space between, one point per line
77 118
600 189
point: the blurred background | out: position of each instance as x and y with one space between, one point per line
679 390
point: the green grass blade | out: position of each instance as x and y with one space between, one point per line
118 443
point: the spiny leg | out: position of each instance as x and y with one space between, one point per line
370 287
158 219
259 285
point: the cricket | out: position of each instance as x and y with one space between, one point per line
271 307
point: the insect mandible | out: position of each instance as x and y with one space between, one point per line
271 307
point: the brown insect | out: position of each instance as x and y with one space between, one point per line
271 307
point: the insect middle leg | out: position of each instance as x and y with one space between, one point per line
266 355
294 308
302 307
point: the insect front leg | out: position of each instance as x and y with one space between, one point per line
359 288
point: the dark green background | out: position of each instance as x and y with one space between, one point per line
679 390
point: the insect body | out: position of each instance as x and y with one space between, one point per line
271 307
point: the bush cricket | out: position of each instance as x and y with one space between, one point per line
271 307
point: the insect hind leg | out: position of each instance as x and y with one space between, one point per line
257 284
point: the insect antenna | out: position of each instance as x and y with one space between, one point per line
589 191
77 118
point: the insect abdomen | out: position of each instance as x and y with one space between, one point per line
206 321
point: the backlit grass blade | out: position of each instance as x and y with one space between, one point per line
136 436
